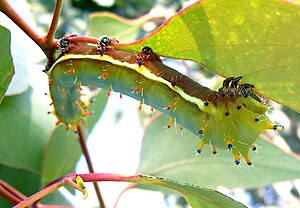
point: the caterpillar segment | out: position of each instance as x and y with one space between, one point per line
230 118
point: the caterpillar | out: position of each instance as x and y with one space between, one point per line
230 118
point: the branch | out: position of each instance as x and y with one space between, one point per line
53 26
72 180
86 154
76 181
46 43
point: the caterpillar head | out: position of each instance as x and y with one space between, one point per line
234 120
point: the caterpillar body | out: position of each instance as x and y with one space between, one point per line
230 118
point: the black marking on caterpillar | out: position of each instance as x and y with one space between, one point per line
239 119
63 45
103 43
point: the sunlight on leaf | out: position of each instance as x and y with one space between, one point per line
258 40
196 196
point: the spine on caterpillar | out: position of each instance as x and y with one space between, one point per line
230 118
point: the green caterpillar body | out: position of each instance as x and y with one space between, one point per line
227 119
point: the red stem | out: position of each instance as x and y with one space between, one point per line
86 154
46 43
70 179
53 26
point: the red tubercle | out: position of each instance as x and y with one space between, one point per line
152 109
102 76
169 107
70 71
141 104
136 90
50 83
51 103
63 92
108 91
79 86
57 122
121 96
93 88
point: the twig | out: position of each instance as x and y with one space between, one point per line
68 180
75 181
46 43
53 26
86 154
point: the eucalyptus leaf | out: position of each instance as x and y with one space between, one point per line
256 39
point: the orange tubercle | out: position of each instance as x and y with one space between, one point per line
214 149
141 104
86 113
247 159
75 128
201 145
229 144
237 158
63 92
170 122
77 104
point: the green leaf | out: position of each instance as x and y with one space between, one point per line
172 154
24 127
256 39
6 63
63 149
108 24
27 183
196 196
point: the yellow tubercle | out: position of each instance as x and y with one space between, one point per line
214 149
170 122
274 127
75 128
